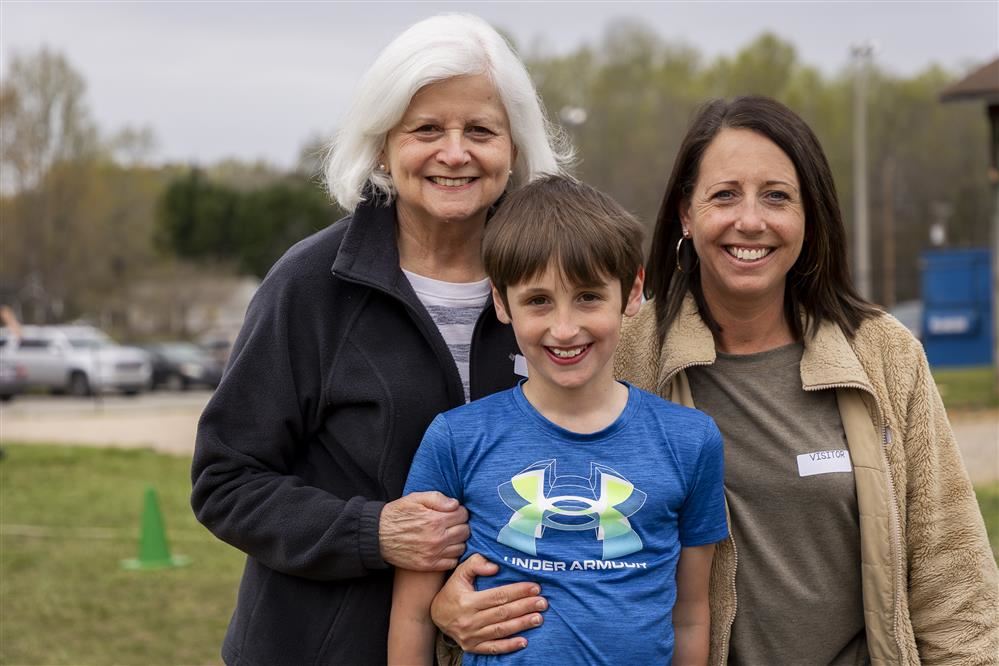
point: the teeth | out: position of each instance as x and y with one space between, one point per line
450 182
568 353
745 254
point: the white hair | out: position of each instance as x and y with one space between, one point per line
432 50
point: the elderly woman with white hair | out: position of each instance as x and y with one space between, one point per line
357 338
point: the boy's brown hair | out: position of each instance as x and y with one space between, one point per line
559 221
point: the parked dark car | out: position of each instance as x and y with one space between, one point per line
178 366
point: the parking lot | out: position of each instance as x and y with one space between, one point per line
167 421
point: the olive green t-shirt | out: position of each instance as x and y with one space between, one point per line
794 517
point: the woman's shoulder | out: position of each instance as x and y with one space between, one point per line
690 418
637 356
883 334
317 251
301 278
892 358
642 325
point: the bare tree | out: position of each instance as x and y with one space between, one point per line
47 134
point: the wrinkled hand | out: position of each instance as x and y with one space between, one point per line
483 622
423 532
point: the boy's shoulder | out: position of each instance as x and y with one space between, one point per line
654 403
681 423
500 402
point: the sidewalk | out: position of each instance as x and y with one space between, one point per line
170 428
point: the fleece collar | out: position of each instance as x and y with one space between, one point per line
369 253
827 362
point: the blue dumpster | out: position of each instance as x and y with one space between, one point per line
957 307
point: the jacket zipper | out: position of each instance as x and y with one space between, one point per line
727 635
673 373
735 601
896 535
428 336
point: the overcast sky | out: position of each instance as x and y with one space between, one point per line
254 79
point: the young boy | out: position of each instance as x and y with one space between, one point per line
609 497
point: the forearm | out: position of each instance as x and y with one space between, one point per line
247 468
692 610
953 583
691 634
289 526
411 631
411 642
952 578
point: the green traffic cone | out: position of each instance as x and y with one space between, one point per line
154 551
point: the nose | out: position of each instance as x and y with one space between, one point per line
751 217
453 152
563 326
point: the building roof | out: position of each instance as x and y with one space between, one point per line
983 84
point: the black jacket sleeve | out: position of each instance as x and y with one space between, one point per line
253 434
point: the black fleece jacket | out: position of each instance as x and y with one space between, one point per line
334 377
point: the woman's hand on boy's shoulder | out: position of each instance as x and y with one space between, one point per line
423 532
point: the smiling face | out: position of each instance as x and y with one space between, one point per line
567 333
746 219
450 155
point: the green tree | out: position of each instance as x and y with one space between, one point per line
640 92
205 221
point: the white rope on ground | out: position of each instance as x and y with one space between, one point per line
98 533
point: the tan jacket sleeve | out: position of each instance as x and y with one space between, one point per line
953 584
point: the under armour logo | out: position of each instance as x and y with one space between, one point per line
603 502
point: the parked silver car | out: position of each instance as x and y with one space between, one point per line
12 376
76 359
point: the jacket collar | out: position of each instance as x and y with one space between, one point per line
828 360
369 252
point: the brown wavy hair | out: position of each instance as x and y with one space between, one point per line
818 283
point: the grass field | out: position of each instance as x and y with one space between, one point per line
68 515
988 500
64 597
967 388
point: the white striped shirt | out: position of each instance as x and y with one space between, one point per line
454 307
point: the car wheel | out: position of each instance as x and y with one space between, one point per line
79 385
175 383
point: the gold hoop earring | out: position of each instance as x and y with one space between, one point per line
679 265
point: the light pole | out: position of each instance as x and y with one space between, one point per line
861 54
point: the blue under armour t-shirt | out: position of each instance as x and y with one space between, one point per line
597 520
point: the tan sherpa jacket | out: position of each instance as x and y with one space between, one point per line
930 586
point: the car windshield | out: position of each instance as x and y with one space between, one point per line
89 342
183 352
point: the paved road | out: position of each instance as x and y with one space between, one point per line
162 421
167 422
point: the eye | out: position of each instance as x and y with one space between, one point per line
776 196
537 301
723 195
427 130
590 297
479 132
